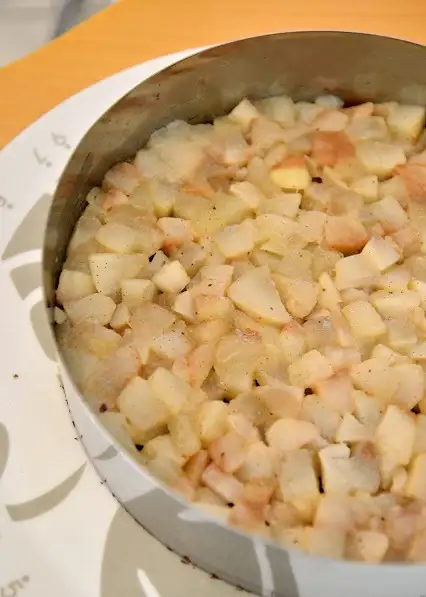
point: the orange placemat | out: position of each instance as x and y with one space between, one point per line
132 31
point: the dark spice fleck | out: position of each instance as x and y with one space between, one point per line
256 383
226 400
316 179
308 391
15 376
230 504
139 447
103 408
151 258
185 560
416 410
214 577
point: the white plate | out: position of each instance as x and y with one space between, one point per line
61 532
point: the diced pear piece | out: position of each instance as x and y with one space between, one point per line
256 294
247 192
406 122
394 439
135 291
146 413
172 277
244 113
300 296
381 253
351 430
286 435
184 306
389 213
416 482
168 388
235 241
292 175
96 308
309 369
354 271
212 420
375 376
117 237
298 482
379 158
121 317
371 546
364 320
73 285
367 187
109 269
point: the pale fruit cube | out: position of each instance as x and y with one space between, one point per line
325 419
292 342
59 316
335 465
345 234
212 421
367 409
260 463
406 122
279 108
395 279
281 401
286 435
416 482
184 434
381 253
209 308
411 385
351 430
396 304
73 285
418 352
379 158
177 232
96 308
172 277
283 204
184 306
171 345
194 469
155 264
291 177
389 213
367 187
109 269
300 296
135 291
336 392
354 271
228 452
364 320
309 369
236 362
162 447
243 114
247 192
122 176
334 511
210 331
371 546
394 439
329 101
146 413
312 225
121 317
200 363
298 483
235 241
329 297
256 294
168 388
342 357
117 237
376 377
224 485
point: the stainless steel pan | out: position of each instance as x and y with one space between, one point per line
357 67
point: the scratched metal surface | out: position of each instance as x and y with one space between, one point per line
25 25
